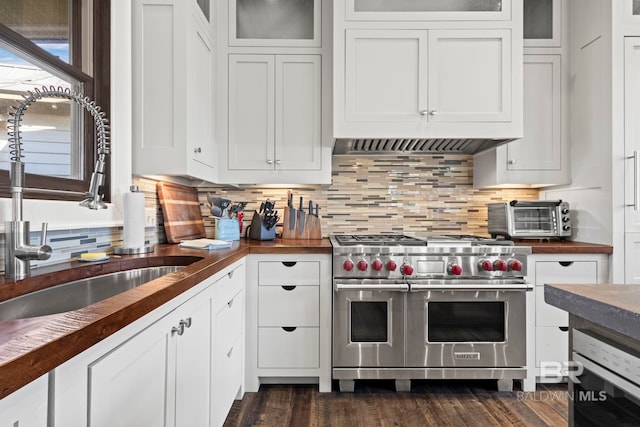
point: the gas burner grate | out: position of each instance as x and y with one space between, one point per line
378 240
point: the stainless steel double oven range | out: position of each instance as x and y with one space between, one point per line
440 307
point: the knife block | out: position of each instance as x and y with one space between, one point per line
257 230
311 229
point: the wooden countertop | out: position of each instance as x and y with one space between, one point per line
566 247
32 347
615 307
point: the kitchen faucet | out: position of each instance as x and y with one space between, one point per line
18 251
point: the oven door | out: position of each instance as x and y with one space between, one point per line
466 324
368 323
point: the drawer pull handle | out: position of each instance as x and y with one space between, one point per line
563 328
230 303
288 288
230 274
289 263
229 353
178 329
289 328
186 322
565 263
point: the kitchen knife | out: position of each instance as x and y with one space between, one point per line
301 218
290 216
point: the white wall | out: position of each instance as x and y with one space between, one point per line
64 215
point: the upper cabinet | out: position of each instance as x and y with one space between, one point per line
275 23
274 96
412 10
403 69
173 84
632 11
542 23
541 157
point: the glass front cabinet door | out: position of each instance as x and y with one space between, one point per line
294 23
542 23
411 10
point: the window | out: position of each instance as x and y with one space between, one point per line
53 43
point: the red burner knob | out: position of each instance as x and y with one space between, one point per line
500 265
391 265
515 265
363 265
486 265
348 265
376 265
455 269
407 269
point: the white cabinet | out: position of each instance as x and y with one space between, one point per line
274 92
173 84
275 104
288 319
27 406
411 83
228 350
543 23
632 11
166 368
275 23
551 324
541 158
411 10
396 77
632 153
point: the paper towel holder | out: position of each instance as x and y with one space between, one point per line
144 249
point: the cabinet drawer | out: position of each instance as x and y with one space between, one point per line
552 344
229 323
305 273
297 348
566 272
228 286
289 306
546 314
227 380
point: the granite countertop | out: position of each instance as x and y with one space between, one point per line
615 307
564 247
32 347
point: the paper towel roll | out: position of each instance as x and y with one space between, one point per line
133 227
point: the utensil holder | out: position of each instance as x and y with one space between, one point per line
257 230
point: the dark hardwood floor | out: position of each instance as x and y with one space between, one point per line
375 403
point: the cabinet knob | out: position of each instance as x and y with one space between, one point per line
269 161
278 161
177 329
197 150
186 322
512 161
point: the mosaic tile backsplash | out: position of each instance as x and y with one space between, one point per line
381 194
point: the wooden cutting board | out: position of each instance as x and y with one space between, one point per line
181 212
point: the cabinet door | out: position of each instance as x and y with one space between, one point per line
251 112
275 23
298 105
386 77
193 364
129 385
200 113
541 147
413 10
470 75
26 406
632 134
631 257
542 23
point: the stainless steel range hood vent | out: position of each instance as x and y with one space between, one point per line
415 146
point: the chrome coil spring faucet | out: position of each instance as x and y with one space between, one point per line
18 251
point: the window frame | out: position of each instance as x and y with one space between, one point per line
96 88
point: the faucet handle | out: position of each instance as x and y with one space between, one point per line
43 234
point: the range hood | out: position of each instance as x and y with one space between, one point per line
350 146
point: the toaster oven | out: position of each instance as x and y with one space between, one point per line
531 219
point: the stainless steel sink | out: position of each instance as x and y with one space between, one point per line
79 293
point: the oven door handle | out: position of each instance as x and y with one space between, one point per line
401 287
416 287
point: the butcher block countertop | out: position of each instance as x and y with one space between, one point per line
566 247
32 347
616 307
